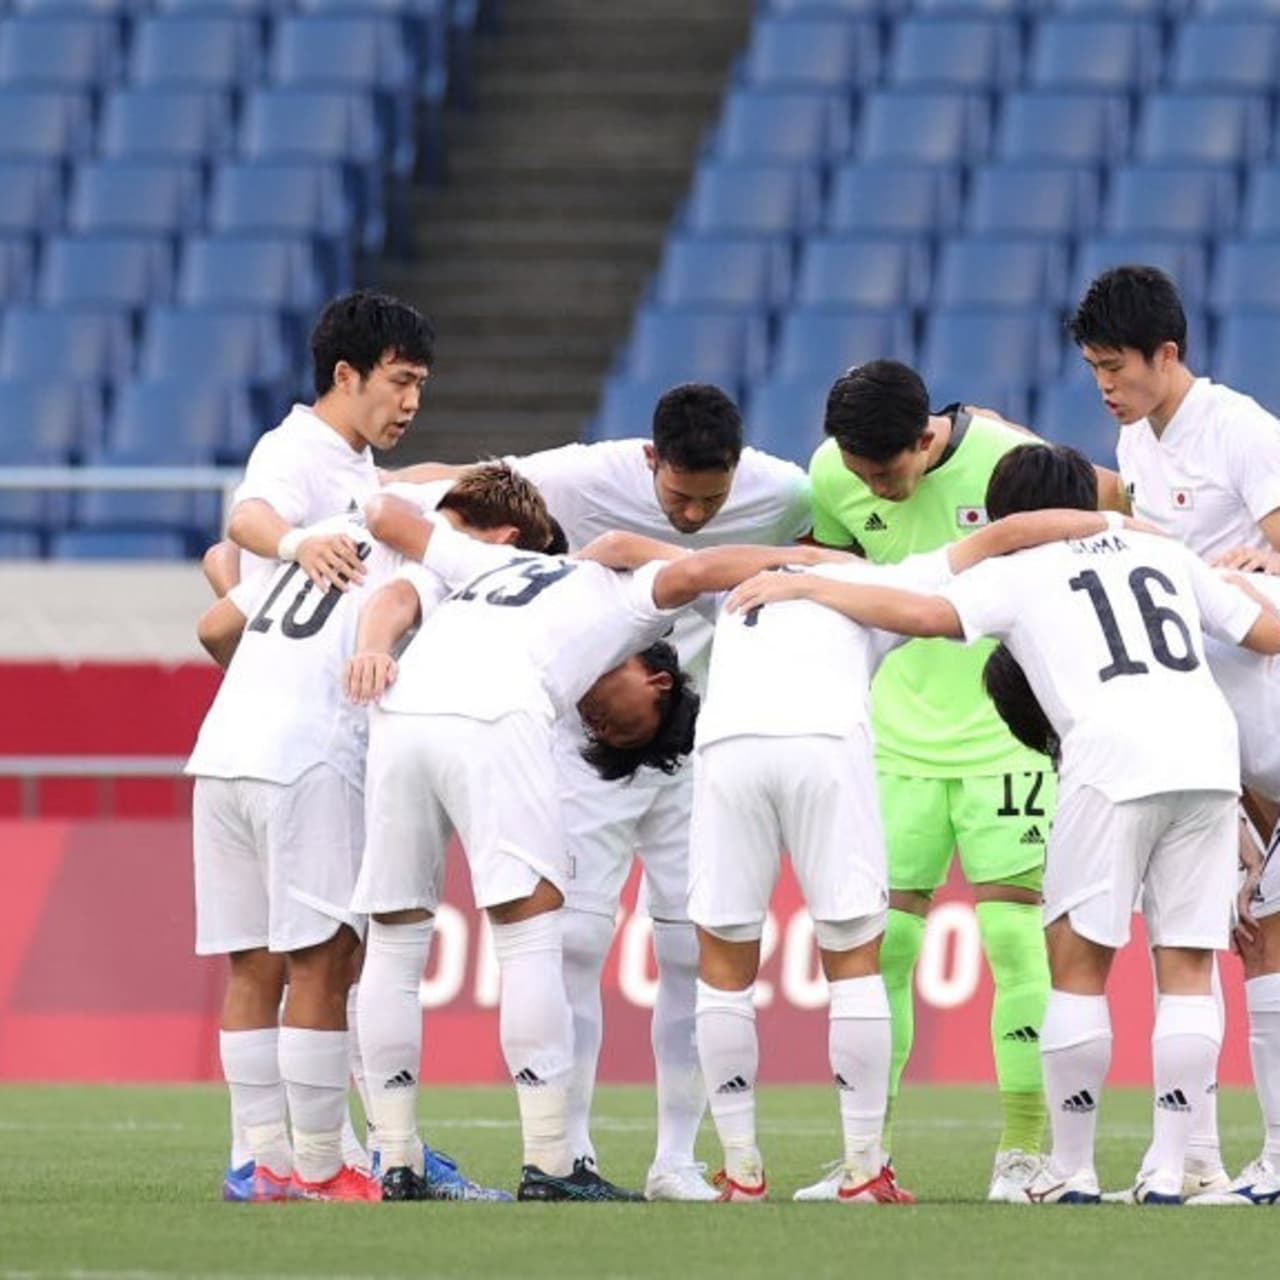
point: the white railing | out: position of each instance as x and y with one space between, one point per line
31 770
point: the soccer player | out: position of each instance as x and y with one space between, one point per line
784 760
896 479
694 484
1107 630
278 817
525 641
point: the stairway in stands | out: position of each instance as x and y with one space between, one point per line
561 184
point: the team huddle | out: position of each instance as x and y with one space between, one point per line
687 651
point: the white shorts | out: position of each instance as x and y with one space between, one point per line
814 796
1266 897
609 823
1175 852
491 781
275 863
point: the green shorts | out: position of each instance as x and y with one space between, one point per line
999 822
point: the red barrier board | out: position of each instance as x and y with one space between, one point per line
98 981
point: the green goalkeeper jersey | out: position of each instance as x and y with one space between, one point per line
931 715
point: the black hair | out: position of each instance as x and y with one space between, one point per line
878 409
697 427
677 719
364 327
557 543
1132 306
1035 476
1007 686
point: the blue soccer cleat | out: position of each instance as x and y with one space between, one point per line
237 1184
445 1181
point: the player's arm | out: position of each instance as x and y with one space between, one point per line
388 616
329 559
1257 559
1111 491
721 568
421 473
221 567
399 524
219 630
618 549
1026 529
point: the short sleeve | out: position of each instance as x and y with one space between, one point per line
275 476
640 592
985 599
1255 462
1225 611
422 580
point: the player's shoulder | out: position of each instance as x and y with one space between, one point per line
992 435
1229 413
762 476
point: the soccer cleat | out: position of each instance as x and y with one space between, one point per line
584 1183
1048 1187
237 1184
851 1187
731 1192
678 1182
1012 1173
348 1184
445 1181
256 1184
1258 1184
403 1183
1200 1183
1158 1188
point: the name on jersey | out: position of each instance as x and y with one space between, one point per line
971 517
1105 544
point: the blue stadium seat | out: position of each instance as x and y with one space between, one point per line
57 52
626 408
825 8
1179 257
249 8
1069 411
1260 213
1239 8
100 544
1008 397
1171 199
19 544
195 52
1032 199
106 270
164 124
42 124
1063 126
795 127
812 53
1240 54
1202 128
113 195
885 198
32 507
1246 273
276 273
785 418
179 509
822 342
74 344
1013 345
863 272
998 271
1245 354
30 196
954 53
213 345
57 422
722 271
217 418
993 8
99 8
1120 54
753 198
924 127
688 345
17 268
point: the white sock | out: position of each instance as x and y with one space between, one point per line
860 1046
251 1066
1262 995
354 1152
314 1067
730 1054
1184 1051
390 1018
682 1096
1204 1150
535 1026
586 944
1075 1050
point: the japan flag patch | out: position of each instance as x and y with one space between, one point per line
971 517
1183 499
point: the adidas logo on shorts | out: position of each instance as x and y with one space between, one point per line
874 523
736 1085
1080 1102
1024 1035
1032 835
1174 1100
401 1080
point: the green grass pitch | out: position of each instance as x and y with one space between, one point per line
123 1184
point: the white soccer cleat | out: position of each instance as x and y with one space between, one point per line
850 1186
1202 1182
1048 1187
1150 1188
827 1187
1258 1184
1013 1172
679 1182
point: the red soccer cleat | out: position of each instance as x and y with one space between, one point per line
882 1189
347 1184
732 1192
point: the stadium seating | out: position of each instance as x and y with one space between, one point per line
1063 127
217 420
30 195
1171 200
997 271
779 125
57 52
106 270
100 544
1032 199
1205 128
817 53
688 344
1241 54
763 199
722 271
1246 273
80 344
146 198
954 53
165 124
914 199
43 124
823 342
924 127
863 272
784 417
626 407
205 50
1070 411
1116 53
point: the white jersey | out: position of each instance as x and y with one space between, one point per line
1107 630
797 668
525 632
1212 474
593 488
1250 682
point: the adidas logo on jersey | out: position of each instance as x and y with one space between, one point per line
1032 835
1080 1102
874 523
736 1085
526 1076
1024 1035
1174 1100
401 1080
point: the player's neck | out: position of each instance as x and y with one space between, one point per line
1163 414
327 412
941 426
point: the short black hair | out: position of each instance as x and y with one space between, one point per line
878 409
1035 476
557 543
677 719
697 427
362 328
1008 687
1130 306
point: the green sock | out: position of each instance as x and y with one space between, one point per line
1013 938
903 937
